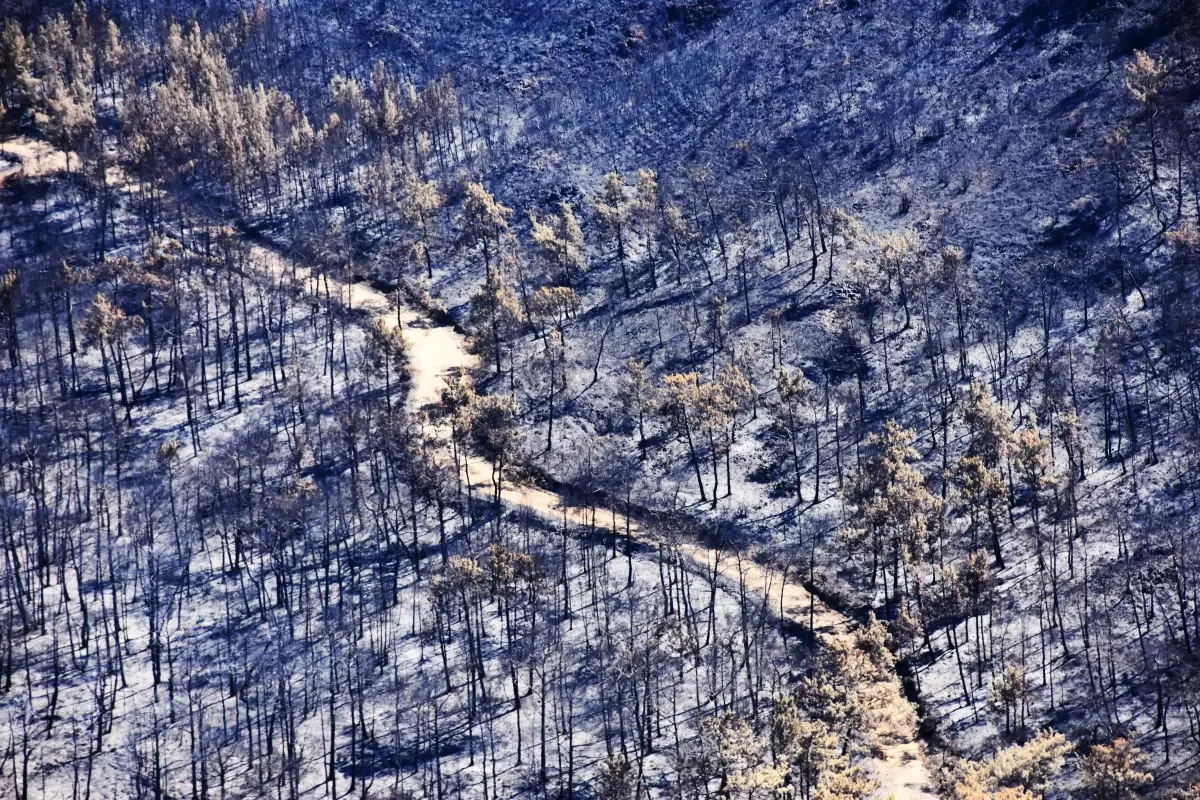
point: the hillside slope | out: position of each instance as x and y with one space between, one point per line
895 300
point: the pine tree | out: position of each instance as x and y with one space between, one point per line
894 260
559 242
386 351
1115 771
552 307
494 428
638 395
817 766
15 63
420 202
1020 772
612 212
551 362
106 327
482 223
645 213
788 412
1010 698
989 425
680 404
1034 462
979 488
1146 77
495 314
894 510
738 759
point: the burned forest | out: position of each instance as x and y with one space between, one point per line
600 399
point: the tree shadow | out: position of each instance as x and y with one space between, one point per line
379 758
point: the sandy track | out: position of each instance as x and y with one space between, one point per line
30 157
437 353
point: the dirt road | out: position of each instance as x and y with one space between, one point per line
439 352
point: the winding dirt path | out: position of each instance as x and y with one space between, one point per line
438 352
